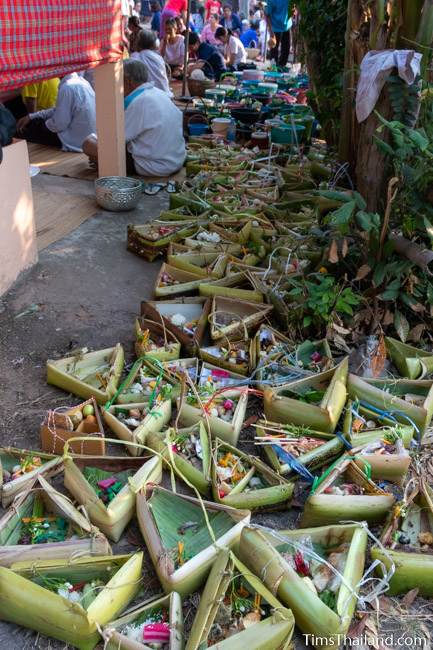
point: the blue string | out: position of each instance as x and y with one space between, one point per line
293 463
343 440
390 415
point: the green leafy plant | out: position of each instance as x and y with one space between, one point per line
321 298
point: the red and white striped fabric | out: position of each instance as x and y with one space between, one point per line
41 39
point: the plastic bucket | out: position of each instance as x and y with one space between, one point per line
286 134
198 128
220 125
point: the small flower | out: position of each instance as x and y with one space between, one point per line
323 269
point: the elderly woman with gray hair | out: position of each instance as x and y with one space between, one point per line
147 53
155 145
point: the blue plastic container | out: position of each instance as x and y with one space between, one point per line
198 128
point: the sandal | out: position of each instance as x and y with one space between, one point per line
153 188
171 187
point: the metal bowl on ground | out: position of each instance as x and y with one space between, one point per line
118 193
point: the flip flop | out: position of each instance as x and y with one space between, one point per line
171 187
153 188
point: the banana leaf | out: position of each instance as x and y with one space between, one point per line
260 552
330 448
88 374
151 239
272 491
193 465
144 381
238 234
26 601
384 467
158 417
322 508
113 518
58 427
273 350
178 539
174 371
282 405
230 317
116 638
228 355
359 434
411 362
224 246
81 538
146 331
187 282
203 264
190 414
194 310
273 631
10 457
413 560
228 287
388 396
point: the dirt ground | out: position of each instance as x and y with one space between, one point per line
85 291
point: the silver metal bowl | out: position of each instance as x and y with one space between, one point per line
117 193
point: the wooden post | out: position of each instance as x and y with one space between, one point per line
110 120
185 58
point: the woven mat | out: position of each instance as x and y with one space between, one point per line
58 214
60 163
76 165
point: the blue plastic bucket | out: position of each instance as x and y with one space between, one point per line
285 135
198 128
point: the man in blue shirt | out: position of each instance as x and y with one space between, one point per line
250 38
208 53
278 17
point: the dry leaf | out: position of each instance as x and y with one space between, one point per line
339 329
417 307
388 318
333 252
416 333
344 247
358 628
363 271
340 343
409 598
378 361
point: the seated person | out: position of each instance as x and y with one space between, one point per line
41 95
234 51
69 123
147 53
205 52
173 48
231 21
250 38
208 32
155 144
134 30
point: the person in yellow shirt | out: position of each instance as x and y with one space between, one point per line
40 96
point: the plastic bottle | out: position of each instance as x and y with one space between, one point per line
231 131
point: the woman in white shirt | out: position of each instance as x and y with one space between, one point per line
155 64
234 51
173 48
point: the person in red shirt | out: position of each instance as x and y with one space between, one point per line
172 8
212 7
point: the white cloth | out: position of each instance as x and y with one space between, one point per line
174 52
235 46
154 133
375 68
155 65
74 116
